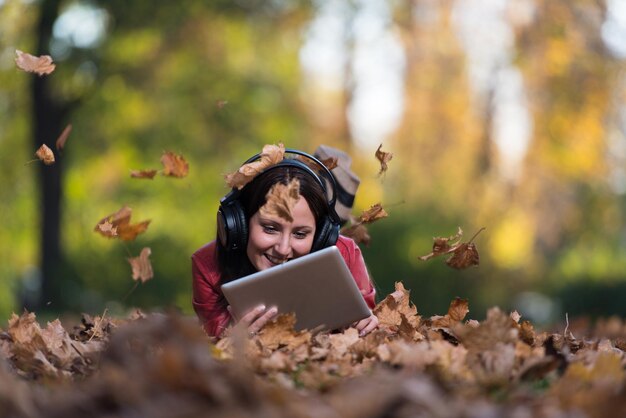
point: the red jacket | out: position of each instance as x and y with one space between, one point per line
210 304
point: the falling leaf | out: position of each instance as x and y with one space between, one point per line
374 213
330 163
107 229
221 103
383 158
60 143
45 154
120 220
39 65
270 155
281 199
142 269
442 246
143 174
174 165
358 232
464 254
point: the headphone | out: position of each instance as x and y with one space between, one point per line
232 225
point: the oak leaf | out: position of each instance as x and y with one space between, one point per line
174 165
60 142
281 199
120 220
270 155
374 213
383 158
45 154
39 65
141 266
143 174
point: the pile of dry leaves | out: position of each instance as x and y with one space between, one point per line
442 366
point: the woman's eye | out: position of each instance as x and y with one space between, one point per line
300 234
269 229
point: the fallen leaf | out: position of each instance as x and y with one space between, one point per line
280 332
464 256
142 269
441 245
374 213
383 158
270 155
45 154
39 65
107 229
358 232
60 142
143 174
120 220
281 199
330 163
174 165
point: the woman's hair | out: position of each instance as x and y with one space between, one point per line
234 264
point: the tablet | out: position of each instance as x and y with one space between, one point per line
318 287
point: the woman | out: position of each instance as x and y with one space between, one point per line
250 240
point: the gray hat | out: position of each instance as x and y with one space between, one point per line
347 181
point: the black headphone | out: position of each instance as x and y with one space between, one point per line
232 225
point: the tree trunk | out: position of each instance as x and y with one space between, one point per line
47 125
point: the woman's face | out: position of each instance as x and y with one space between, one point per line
274 240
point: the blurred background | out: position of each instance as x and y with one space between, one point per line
503 114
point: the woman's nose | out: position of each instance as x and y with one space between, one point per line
283 246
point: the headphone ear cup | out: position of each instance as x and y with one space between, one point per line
327 236
232 227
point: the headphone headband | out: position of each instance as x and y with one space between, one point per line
329 175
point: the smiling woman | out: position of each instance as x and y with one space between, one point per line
253 237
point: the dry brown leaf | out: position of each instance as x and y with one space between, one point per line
45 154
383 158
374 213
174 165
280 332
396 305
330 163
142 268
464 256
358 232
120 220
107 229
270 155
281 199
60 142
143 174
442 245
39 65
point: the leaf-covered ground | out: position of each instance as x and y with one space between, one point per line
443 366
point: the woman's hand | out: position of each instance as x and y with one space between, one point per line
256 319
367 325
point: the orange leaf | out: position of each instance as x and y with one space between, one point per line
383 158
329 163
60 143
45 154
281 199
142 269
120 220
39 65
270 155
174 165
143 174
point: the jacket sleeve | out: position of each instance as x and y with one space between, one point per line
354 259
208 301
